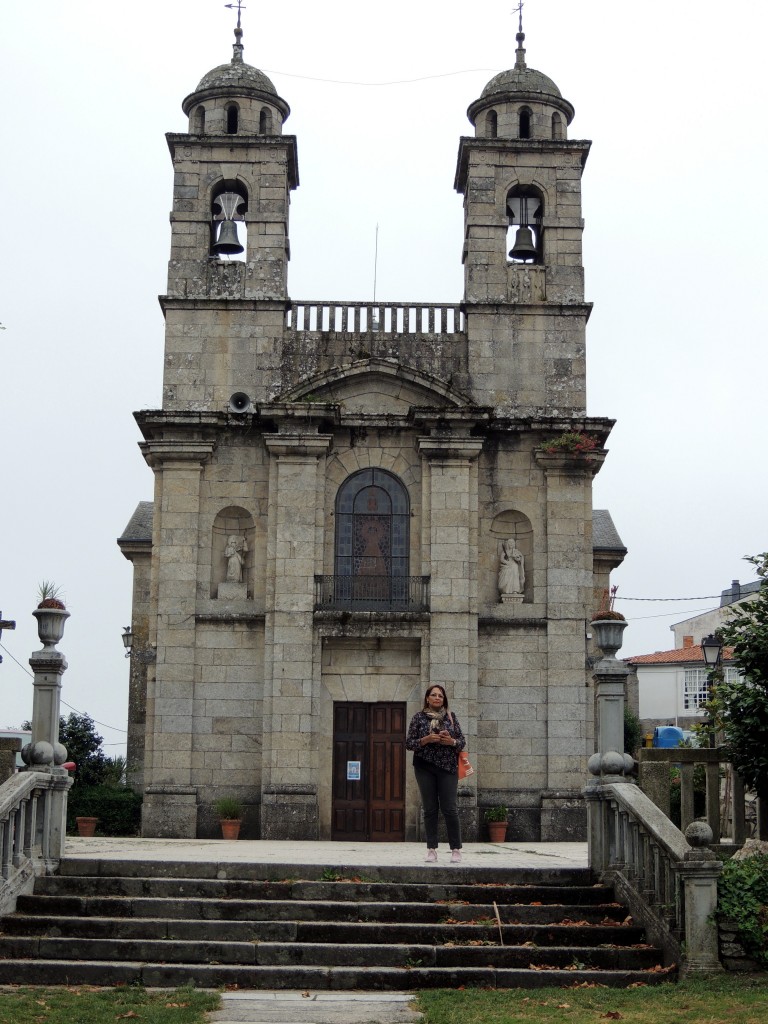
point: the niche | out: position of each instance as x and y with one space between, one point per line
510 559
229 204
232 553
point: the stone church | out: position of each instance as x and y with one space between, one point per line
354 501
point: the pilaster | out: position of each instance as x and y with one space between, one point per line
178 466
294 551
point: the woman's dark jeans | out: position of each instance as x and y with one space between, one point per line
438 793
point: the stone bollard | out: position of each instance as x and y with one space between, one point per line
699 873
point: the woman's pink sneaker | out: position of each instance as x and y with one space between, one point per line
431 857
455 856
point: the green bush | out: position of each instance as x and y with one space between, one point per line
117 808
633 732
743 898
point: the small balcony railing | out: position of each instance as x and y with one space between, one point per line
371 317
372 593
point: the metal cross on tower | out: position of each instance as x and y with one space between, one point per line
5 624
518 10
240 6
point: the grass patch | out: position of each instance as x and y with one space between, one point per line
85 1004
728 999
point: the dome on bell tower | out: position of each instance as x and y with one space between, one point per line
521 103
235 98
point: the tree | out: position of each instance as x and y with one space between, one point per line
84 747
740 707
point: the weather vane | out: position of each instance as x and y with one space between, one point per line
240 6
518 9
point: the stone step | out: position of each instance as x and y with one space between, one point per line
411 977
299 910
14 941
282 873
106 923
307 954
244 889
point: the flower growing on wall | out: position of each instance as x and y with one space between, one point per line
571 442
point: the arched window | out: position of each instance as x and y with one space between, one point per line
232 117
491 124
265 121
229 204
525 210
200 121
557 126
524 131
372 540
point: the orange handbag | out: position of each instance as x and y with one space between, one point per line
465 768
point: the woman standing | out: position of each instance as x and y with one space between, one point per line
435 737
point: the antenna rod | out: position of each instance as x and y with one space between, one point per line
375 262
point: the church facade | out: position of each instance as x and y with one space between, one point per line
356 501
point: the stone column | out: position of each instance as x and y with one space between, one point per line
609 763
170 800
44 753
450 501
289 807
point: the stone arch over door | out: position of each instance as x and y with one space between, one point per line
513 524
230 523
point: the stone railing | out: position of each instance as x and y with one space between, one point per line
33 808
667 879
731 812
372 593
375 317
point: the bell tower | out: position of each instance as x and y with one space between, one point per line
233 174
523 276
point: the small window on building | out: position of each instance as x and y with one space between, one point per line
265 121
200 121
491 124
557 127
232 119
525 123
696 686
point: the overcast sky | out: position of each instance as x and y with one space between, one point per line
673 97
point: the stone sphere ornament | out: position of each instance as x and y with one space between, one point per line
593 764
613 763
41 753
59 753
699 833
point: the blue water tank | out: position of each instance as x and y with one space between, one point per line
667 736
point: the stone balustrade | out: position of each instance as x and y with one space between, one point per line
33 809
369 317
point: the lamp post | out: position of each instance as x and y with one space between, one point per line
712 652
127 638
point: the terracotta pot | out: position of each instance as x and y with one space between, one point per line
86 826
497 831
230 828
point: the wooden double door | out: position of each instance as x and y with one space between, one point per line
368 772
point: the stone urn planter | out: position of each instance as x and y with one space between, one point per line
86 826
51 615
609 633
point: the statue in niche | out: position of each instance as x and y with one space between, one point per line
235 552
511 570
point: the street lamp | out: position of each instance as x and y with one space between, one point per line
127 640
712 652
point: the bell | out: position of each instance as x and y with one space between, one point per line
227 242
523 249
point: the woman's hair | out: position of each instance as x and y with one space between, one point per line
436 686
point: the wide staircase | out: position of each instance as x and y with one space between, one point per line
108 922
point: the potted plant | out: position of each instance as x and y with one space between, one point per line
570 442
86 826
230 812
608 624
51 614
497 822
